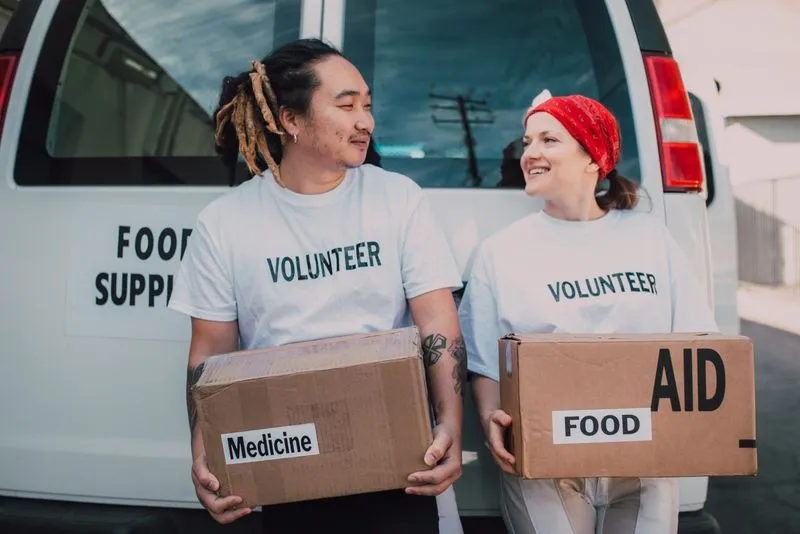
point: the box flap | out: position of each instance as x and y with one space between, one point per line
317 355
563 337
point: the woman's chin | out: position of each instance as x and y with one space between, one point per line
533 188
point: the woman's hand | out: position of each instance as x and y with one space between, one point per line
495 426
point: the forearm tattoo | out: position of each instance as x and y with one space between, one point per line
434 345
459 352
432 348
192 376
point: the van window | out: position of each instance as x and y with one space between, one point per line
451 84
124 90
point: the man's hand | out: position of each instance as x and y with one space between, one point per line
209 338
223 510
495 427
444 458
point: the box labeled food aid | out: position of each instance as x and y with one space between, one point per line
316 419
629 405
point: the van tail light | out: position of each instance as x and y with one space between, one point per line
679 147
8 68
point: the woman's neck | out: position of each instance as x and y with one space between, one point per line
583 208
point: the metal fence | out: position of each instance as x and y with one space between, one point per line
768 227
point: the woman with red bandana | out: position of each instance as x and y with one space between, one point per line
563 269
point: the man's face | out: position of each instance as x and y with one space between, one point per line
339 122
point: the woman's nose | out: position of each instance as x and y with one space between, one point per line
532 151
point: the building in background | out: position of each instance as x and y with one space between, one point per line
751 50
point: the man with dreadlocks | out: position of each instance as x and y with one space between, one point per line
319 244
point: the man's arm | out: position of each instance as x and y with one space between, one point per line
209 338
445 359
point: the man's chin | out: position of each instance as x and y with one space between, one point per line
352 163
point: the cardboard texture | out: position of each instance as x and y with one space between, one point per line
316 419
629 405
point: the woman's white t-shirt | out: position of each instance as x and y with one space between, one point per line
621 273
292 267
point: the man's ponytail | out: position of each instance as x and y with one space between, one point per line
622 194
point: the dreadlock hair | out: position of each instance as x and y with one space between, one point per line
246 120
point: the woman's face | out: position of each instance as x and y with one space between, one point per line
554 164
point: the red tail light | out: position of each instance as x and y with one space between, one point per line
681 155
8 68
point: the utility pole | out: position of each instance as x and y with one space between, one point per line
464 105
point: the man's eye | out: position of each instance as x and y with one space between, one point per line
346 106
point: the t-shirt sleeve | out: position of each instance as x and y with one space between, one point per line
480 323
691 311
203 286
427 261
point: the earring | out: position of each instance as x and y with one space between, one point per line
295 137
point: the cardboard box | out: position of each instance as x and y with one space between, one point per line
629 405
352 412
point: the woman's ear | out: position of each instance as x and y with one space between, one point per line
592 168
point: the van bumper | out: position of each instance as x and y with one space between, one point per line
33 516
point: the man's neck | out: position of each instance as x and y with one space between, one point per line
303 176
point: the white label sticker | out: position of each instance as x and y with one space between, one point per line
509 358
122 266
602 426
270 444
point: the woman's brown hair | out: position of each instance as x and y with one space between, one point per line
622 194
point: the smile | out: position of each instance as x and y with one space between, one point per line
538 171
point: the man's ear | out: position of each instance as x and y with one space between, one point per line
288 121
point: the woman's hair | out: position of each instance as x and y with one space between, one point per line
622 194
246 120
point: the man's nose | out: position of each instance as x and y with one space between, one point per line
365 122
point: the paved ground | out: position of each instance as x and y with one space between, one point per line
770 306
770 502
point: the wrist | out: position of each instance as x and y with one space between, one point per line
451 424
486 420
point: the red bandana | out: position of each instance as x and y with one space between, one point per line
590 123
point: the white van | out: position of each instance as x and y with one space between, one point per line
106 158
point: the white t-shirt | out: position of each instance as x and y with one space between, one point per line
294 267
622 273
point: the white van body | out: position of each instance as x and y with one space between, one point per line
93 391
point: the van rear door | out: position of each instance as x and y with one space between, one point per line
106 158
450 86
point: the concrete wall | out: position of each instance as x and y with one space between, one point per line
767 214
763 148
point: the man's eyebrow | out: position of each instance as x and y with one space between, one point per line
351 92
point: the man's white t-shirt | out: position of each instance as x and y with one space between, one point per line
621 273
294 267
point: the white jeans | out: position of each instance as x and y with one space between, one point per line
590 505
